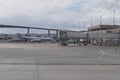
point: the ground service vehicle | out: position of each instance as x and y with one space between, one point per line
75 37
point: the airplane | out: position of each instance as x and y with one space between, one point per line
25 38
40 39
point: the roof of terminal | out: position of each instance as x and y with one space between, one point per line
104 27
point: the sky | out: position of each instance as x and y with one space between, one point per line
58 14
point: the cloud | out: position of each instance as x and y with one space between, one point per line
58 12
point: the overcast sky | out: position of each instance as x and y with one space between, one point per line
58 13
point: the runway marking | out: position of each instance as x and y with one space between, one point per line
102 54
58 64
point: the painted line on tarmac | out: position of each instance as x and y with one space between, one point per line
102 54
58 64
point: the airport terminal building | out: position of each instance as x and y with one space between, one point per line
105 29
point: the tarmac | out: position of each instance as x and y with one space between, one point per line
46 61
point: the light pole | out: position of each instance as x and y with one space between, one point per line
100 20
114 17
91 22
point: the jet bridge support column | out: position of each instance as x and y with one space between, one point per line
28 31
48 33
57 33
